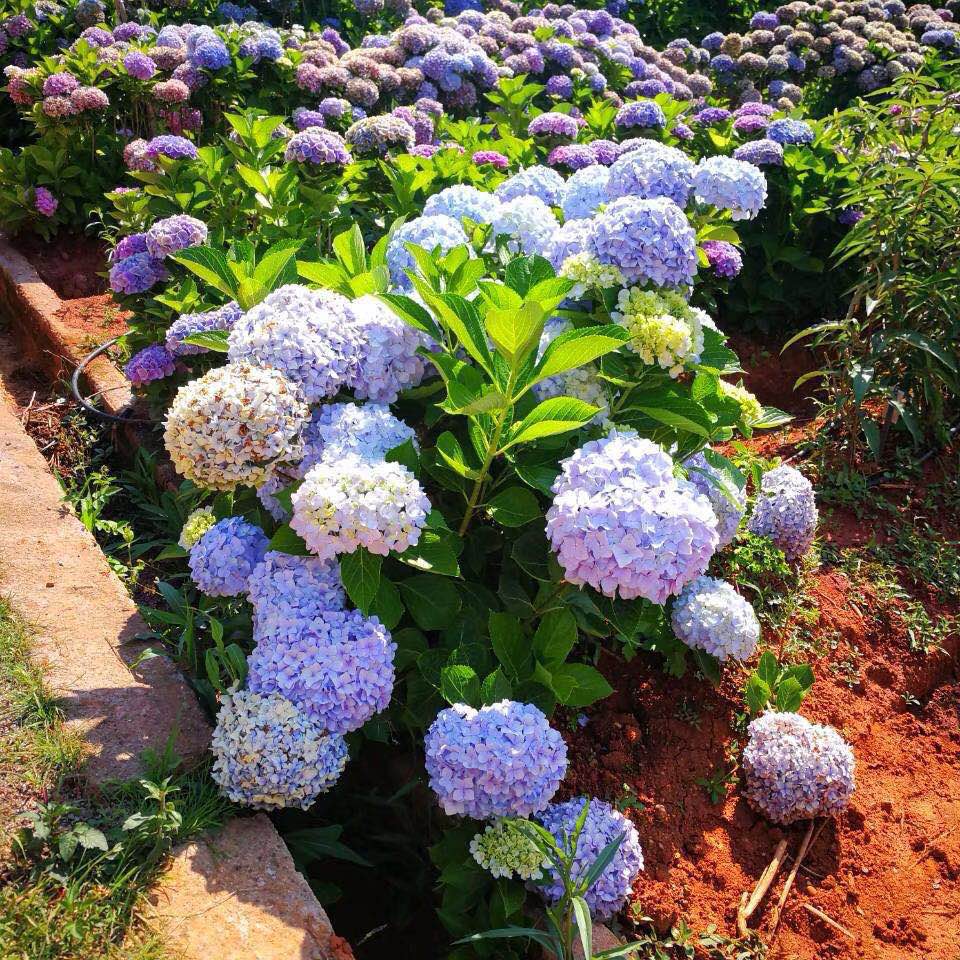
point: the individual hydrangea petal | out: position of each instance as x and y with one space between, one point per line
229 426
501 760
718 491
602 826
269 754
710 615
795 769
337 667
785 511
222 559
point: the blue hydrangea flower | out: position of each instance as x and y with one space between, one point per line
287 590
647 240
463 200
501 760
730 184
224 557
710 615
602 826
621 522
528 222
189 324
646 114
428 232
787 130
572 238
761 153
269 754
709 481
337 668
535 181
584 192
785 511
796 769
151 363
711 116
309 335
173 234
137 274
652 170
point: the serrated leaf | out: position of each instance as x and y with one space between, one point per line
514 507
495 687
360 573
510 644
577 347
460 684
287 540
789 695
554 416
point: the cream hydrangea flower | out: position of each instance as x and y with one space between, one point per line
664 329
503 850
195 526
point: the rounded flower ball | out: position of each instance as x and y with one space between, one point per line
222 560
353 503
528 223
195 526
337 667
655 170
317 147
308 335
151 363
710 615
535 181
645 114
505 852
462 200
136 274
728 504
602 826
584 192
786 131
269 754
621 523
388 358
173 234
785 511
286 590
429 232
501 760
725 259
796 769
647 240
229 426
729 184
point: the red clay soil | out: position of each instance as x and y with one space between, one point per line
888 870
71 264
771 375
92 320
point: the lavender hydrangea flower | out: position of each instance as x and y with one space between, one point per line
173 234
269 754
189 324
572 238
560 86
786 130
761 153
528 223
501 760
646 240
222 560
602 826
535 181
729 504
710 615
375 136
136 274
785 511
655 170
622 523
151 363
309 335
173 147
139 65
388 358
584 192
554 125
730 184
428 232
337 667
711 116
44 202
60 84
317 148
645 114
359 503
795 769
493 157
725 259
286 591
463 200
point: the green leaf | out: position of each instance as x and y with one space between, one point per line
432 553
287 540
789 695
448 446
680 413
411 312
524 273
278 265
553 416
433 602
211 266
495 687
510 644
216 340
514 507
581 913
555 638
360 573
757 693
460 684
350 250
406 455
768 669
511 933
330 275
515 332
801 672
579 684
577 347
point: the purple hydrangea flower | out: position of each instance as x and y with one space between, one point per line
44 202
188 324
602 826
222 560
849 216
573 156
60 84
139 65
137 274
151 363
710 615
795 769
172 234
286 591
785 511
572 238
492 157
89 98
173 147
786 130
761 153
750 123
605 151
303 118
762 20
560 86
554 125
501 760
378 135
711 116
646 114
317 148
725 259
652 170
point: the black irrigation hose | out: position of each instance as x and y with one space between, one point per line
85 403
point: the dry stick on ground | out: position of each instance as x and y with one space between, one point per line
749 905
778 909
820 915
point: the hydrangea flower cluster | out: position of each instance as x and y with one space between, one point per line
528 223
429 232
664 329
359 503
229 426
730 184
761 153
751 410
269 754
622 523
540 182
501 760
287 591
173 234
505 852
646 114
337 668
137 274
388 358
796 769
347 429
308 335
585 192
652 170
602 826
195 526
463 200
318 148
725 259
44 202
710 615
785 511
554 125
190 324
151 363
728 504
222 560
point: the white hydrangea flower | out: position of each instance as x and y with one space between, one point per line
195 526
664 329
588 273
503 850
